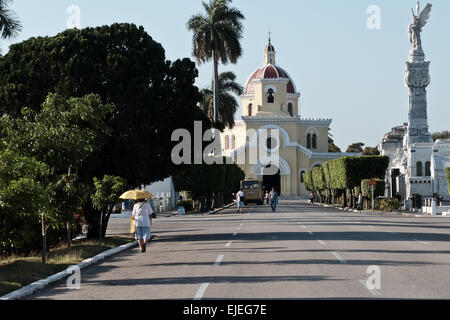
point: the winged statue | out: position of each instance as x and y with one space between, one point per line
415 27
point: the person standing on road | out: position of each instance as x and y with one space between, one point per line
267 196
311 198
142 213
273 200
240 201
360 201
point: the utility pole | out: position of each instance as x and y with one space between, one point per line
68 223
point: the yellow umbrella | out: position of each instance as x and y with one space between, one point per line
136 194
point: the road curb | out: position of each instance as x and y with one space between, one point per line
220 209
41 284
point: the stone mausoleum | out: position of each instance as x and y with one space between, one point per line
417 163
271 102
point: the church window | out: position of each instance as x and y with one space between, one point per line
250 107
227 142
302 179
290 109
270 97
419 169
428 169
271 143
233 142
308 140
314 141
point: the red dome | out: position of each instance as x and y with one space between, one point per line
269 71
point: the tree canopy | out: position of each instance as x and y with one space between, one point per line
227 101
441 135
126 68
355 147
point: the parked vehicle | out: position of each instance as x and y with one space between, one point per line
253 191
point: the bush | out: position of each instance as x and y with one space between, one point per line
447 170
187 204
389 204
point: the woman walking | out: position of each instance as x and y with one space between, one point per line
142 214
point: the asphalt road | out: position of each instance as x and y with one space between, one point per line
301 252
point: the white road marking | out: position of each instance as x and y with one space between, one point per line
338 256
422 242
391 232
218 260
235 234
372 291
321 242
201 291
228 243
372 227
310 233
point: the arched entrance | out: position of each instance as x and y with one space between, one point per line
271 180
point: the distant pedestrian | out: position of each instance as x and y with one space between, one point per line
312 196
142 213
360 201
273 200
240 201
267 197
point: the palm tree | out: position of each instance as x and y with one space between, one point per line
227 101
216 36
9 24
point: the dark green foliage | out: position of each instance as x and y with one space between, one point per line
22 200
378 191
204 181
332 147
343 176
441 135
369 151
228 90
389 204
447 170
124 66
355 147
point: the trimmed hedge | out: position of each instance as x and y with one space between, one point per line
447 170
344 175
318 179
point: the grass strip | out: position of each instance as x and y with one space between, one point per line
17 272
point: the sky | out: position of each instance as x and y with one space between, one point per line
344 70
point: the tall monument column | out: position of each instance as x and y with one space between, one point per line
417 79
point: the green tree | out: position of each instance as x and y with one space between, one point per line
369 151
355 147
332 147
227 101
441 135
23 200
62 135
9 24
126 68
106 193
203 181
447 170
217 35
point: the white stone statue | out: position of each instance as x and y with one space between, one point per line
415 27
